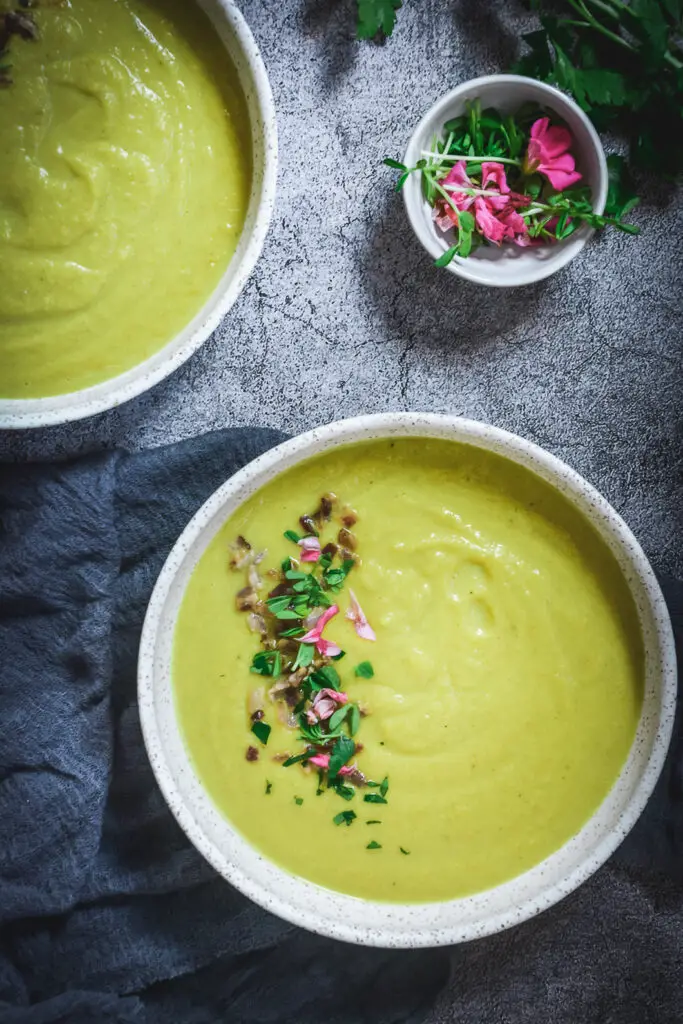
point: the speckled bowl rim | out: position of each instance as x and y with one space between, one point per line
347 917
415 204
232 29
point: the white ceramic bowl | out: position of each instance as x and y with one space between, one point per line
506 265
347 917
245 55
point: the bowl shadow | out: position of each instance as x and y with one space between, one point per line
430 308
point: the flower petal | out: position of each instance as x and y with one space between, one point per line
495 172
328 648
320 761
490 227
559 179
313 635
310 547
356 615
458 175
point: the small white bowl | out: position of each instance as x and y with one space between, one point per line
506 265
17 413
347 917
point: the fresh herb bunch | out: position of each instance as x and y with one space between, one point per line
623 63
376 17
519 190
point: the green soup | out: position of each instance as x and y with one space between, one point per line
507 686
124 182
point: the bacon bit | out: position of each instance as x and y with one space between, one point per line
325 703
310 549
356 615
285 715
258 715
307 525
241 551
349 518
330 549
346 539
246 599
252 754
315 636
257 624
323 513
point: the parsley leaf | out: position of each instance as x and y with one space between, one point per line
407 852
344 817
261 731
269 786
364 670
373 798
343 749
298 800
373 846
375 16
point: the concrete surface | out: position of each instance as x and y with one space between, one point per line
587 364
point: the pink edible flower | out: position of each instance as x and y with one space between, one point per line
494 172
323 761
494 203
315 636
310 549
356 614
548 153
325 703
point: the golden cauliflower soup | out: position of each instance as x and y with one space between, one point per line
407 670
124 182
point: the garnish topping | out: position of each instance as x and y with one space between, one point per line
295 659
269 787
325 704
373 845
310 549
356 614
261 731
315 635
407 852
344 817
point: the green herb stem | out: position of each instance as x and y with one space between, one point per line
456 157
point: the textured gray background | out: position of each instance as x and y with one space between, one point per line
588 364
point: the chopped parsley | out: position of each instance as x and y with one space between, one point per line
373 821
374 798
373 846
343 749
384 786
267 663
298 800
365 670
344 817
269 786
261 731
291 535
407 852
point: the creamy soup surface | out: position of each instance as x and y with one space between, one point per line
507 680
124 183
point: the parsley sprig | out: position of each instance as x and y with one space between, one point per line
623 63
376 17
